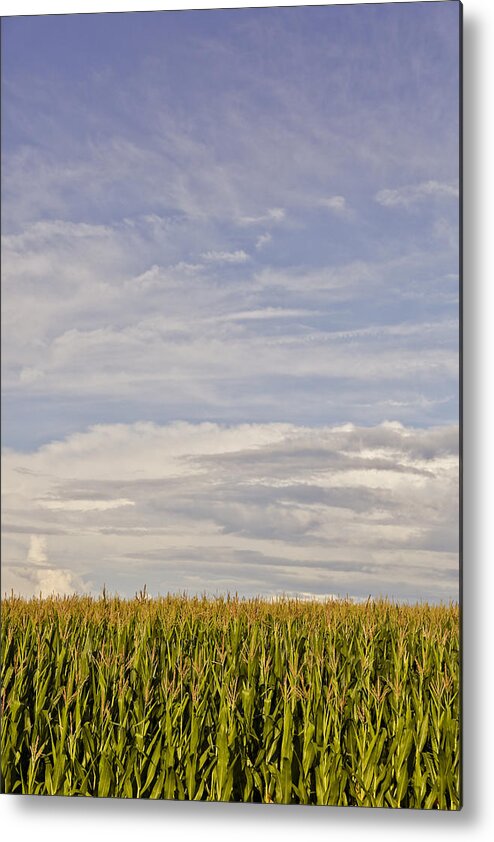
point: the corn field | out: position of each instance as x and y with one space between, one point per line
289 702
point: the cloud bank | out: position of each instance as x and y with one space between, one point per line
253 508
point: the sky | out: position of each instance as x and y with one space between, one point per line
230 302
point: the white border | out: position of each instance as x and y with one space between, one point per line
43 819
36 7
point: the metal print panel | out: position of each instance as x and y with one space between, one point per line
231 290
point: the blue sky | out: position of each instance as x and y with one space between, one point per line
233 233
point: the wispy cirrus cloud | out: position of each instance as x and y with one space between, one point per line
272 215
239 256
337 205
263 240
116 303
412 194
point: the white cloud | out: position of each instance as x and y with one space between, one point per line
188 268
30 374
263 240
238 256
344 279
262 314
37 576
37 553
273 215
448 232
84 505
411 194
57 581
338 205
259 508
